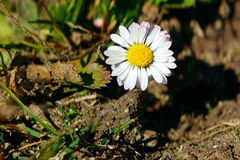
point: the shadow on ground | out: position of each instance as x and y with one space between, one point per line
195 88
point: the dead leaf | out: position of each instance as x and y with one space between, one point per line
38 73
65 72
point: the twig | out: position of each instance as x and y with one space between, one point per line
30 145
76 99
87 152
70 24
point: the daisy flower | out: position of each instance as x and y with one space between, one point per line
142 53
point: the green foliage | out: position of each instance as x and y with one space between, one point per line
51 149
77 9
30 130
17 157
27 110
125 16
116 130
6 31
27 9
96 76
59 12
174 4
1 137
6 58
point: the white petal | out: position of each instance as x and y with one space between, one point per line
131 79
163 52
156 75
166 44
171 65
134 78
157 42
144 79
114 53
155 31
125 73
164 33
133 29
149 72
171 59
162 68
117 48
161 59
143 31
124 33
164 79
119 40
120 82
113 66
145 24
107 53
125 81
138 83
120 69
160 40
164 59
115 60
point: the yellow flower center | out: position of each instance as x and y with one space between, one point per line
140 55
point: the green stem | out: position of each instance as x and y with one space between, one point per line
124 125
77 9
26 109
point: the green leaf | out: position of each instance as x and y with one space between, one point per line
179 4
27 9
125 16
51 149
6 30
30 130
6 58
60 11
26 109
15 156
1 137
78 7
118 129
122 126
95 76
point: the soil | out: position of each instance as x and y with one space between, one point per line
195 116
204 111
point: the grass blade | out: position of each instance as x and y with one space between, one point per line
26 109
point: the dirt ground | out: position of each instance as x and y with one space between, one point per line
196 116
206 125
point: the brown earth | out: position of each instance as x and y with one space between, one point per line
195 116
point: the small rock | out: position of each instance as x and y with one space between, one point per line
151 138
